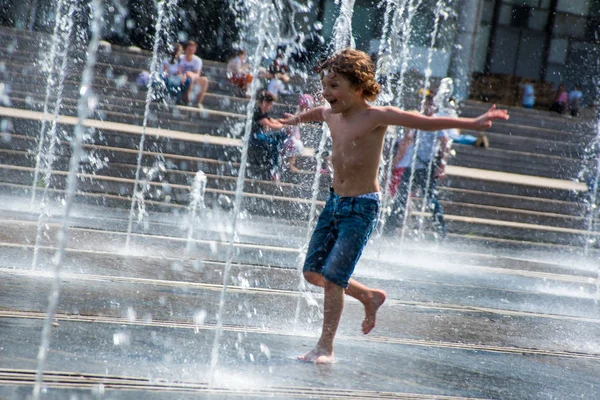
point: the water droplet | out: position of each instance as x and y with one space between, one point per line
121 339
199 317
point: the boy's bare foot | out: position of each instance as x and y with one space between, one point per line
318 356
371 307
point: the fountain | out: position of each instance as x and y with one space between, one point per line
47 160
196 205
400 26
439 10
155 72
206 300
268 34
83 109
51 70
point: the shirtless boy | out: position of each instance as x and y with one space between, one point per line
351 212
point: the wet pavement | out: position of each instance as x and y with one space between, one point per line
458 323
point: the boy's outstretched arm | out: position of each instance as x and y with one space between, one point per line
395 116
312 115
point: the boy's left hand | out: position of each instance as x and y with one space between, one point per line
484 121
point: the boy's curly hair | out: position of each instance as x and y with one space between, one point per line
357 67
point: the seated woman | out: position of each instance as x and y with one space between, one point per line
237 71
266 141
172 73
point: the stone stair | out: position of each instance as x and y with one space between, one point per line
485 206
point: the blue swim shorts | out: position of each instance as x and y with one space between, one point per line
342 232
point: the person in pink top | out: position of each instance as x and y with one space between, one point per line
561 100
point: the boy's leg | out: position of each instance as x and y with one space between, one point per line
371 299
332 311
355 220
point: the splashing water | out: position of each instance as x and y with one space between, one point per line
342 30
262 16
77 149
65 39
136 197
196 204
439 9
399 26
413 6
49 86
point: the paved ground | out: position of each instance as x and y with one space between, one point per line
460 322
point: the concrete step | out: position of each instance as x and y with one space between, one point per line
108 75
514 215
507 188
223 123
110 188
281 206
198 148
511 128
516 162
119 156
574 149
517 231
106 88
534 118
525 203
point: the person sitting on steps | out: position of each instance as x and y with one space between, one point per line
191 67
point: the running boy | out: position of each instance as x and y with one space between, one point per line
350 214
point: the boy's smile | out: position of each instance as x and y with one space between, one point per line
339 93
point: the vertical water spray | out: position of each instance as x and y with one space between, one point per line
439 8
261 13
83 110
49 87
65 39
196 204
593 186
385 62
342 30
137 196
400 26
593 207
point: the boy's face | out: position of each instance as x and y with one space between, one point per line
338 91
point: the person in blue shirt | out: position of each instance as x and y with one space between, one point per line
575 97
528 94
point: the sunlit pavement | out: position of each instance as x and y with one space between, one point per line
460 321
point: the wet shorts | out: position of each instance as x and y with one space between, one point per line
342 231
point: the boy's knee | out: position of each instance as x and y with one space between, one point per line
313 277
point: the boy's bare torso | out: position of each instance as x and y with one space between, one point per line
357 146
